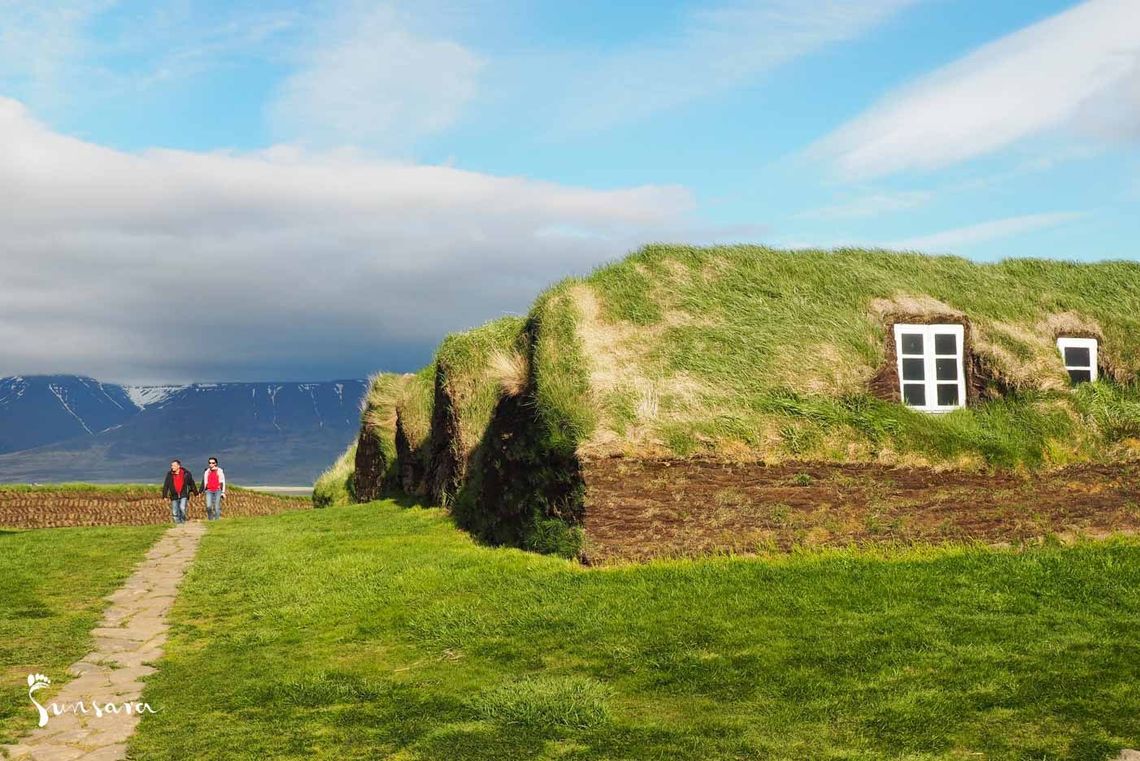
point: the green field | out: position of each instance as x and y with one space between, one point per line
52 585
376 631
79 488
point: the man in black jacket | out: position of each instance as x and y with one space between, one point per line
178 488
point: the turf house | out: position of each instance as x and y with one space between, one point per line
731 399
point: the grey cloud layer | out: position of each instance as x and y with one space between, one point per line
170 264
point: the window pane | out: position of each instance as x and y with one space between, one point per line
947 369
914 394
913 369
911 343
947 394
1077 356
1080 376
945 343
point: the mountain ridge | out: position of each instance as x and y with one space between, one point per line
71 427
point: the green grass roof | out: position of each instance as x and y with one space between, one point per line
755 353
751 353
476 365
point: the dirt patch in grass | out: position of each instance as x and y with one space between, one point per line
643 509
46 508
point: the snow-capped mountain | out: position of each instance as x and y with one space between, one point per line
43 409
55 428
147 396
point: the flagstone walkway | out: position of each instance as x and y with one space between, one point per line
130 636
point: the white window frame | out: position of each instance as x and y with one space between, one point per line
1066 342
930 365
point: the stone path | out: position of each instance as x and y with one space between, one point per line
131 635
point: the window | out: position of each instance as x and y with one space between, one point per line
1079 355
930 366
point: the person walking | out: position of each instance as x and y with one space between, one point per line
178 488
214 483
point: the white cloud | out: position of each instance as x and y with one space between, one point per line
1079 70
719 49
172 265
980 233
39 40
871 204
74 56
369 79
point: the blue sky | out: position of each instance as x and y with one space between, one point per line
468 153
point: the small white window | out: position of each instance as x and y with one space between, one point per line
1079 355
930 366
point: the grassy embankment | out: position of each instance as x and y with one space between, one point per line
349 633
334 486
52 585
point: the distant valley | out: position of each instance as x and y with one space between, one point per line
73 428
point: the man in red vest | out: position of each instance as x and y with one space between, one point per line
214 483
178 488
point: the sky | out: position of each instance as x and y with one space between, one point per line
238 190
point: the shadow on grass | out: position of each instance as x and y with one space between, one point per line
404 500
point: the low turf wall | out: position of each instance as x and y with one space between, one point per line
645 509
51 507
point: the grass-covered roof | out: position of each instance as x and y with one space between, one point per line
750 352
747 353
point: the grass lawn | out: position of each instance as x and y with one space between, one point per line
376 631
78 487
52 585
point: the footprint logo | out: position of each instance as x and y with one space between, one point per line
38 682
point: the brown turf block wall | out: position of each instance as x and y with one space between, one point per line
47 509
643 509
